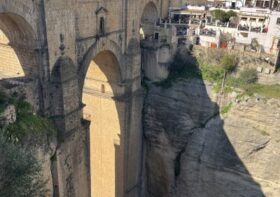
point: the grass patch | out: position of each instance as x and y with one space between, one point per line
225 109
270 91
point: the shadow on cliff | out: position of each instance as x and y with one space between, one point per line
188 153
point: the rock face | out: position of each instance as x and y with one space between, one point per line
192 152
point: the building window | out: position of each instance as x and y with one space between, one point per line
103 88
243 34
156 36
278 21
102 26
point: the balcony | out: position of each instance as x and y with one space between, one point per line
208 32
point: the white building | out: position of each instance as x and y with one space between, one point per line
229 3
254 23
234 3
263 25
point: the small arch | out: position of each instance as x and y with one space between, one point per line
148 21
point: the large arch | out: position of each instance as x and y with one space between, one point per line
18 57
102 87
148 20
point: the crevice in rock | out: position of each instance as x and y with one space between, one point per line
54 174
259 147
177 163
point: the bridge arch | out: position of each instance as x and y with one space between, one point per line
148 19
101 44
102 89
17 47
23 9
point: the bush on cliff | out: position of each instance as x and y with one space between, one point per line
29 126
229 63
20 171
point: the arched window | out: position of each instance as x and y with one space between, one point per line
103 88
102 26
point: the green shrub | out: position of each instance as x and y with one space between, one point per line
228 63
222 15
270 91
234 82
249 76
211 72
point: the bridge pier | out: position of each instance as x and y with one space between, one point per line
37 25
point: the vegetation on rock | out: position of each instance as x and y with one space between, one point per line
20 174
20 170
29 125
225 109
247 80
249 76
185 65
228 63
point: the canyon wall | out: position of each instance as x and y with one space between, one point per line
194 151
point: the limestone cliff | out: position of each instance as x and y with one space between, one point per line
192 151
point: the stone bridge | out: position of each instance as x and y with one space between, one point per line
88 80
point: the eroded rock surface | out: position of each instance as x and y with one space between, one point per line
193 152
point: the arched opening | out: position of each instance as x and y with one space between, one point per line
148 21
102 26
17 47
105 111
